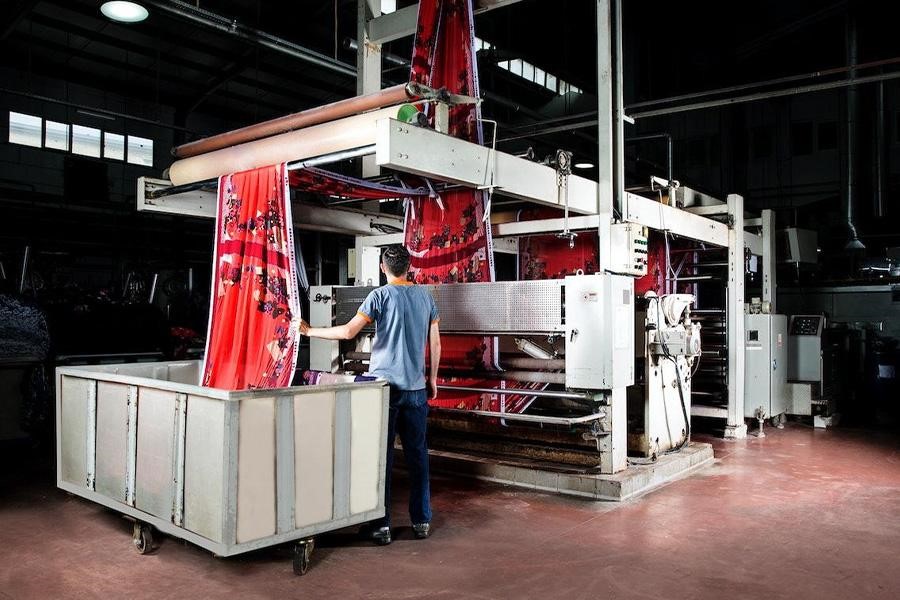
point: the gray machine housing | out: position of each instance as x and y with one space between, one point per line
765 380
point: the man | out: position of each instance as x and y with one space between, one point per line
405 319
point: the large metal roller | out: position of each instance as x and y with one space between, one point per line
326 138
307 118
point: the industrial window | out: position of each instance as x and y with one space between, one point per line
801 139
551 82
25 129
31 130
827 136
56 136
113 146
86 141
140 151
528 71
531 72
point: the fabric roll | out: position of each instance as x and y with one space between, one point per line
318 140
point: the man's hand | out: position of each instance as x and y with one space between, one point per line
300 325
432 389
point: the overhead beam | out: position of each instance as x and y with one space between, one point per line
427 153
202 204
17 11
402 23
661 217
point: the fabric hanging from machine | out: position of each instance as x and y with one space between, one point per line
255 287
250 342
344 187
448 238
552 257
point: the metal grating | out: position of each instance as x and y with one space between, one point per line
506 307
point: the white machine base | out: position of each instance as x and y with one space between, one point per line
736 432
633 481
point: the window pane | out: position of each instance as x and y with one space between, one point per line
113 146
86 141
528 71
140 151
56 136
551 82
539 75
515 66
25 129
504 65
563 88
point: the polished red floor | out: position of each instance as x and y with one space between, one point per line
798 514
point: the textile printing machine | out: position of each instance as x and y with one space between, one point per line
576 337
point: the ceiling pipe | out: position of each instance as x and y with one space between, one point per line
880 158
232 27
850 193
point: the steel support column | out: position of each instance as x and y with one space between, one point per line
735 426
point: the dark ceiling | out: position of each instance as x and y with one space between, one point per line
671 48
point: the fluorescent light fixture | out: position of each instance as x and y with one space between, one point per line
124 12
584 165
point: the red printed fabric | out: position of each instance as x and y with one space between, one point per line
447 238
343 187
250 343
550 257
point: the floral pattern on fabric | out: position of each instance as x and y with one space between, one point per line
448 239
250 341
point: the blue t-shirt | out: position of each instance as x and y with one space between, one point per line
403 314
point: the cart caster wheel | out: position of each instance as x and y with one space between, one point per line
143 538
302 554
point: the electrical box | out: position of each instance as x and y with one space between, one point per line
629 249
323 354
765 360
805 348
599 315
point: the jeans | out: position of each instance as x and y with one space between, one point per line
407 418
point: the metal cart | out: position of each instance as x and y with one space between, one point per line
228 471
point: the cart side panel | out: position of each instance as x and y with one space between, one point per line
155 463
367 444
112 439
204 467
73 430
313 457
256 508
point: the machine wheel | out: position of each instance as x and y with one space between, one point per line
143 538
302 555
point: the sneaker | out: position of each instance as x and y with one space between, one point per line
421 530
380 535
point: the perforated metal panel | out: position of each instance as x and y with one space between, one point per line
506 307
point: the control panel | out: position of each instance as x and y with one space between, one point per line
630 249
806 325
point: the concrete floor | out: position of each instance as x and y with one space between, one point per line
799 514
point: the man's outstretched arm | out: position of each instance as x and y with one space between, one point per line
434 342
347 331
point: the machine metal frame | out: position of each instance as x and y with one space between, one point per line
406 148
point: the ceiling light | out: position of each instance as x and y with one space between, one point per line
584 165
124 12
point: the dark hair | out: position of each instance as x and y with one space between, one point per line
396 258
